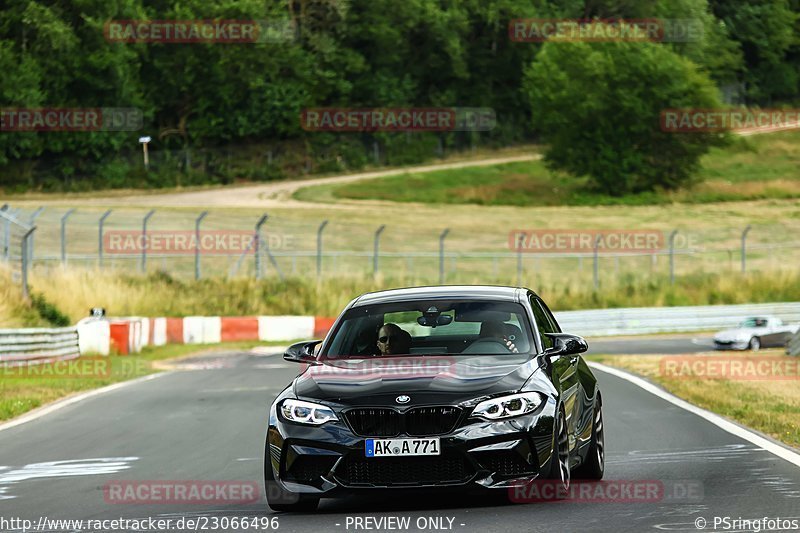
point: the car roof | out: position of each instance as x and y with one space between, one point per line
472 292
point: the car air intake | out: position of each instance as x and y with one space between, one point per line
416 422
447 469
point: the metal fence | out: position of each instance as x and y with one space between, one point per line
644 320
17 244
415 250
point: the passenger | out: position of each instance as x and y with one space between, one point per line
393 340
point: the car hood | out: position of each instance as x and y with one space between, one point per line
737 334
379 380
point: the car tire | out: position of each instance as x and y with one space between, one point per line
594 466
559 459
281 500
755 344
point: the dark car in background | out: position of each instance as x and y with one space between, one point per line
486 392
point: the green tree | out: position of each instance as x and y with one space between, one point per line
767 34
598 106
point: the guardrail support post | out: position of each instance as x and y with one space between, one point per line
442 237
64 236
197 222
144 238
672 256
744 251
319 248
100 236
375 250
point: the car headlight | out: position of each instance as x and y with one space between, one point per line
508 406
306 412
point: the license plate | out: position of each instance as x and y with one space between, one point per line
402 447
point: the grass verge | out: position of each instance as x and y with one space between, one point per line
771 406
753 168
23 389
132 295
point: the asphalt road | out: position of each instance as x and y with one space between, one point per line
208 423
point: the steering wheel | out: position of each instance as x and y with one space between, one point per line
488 346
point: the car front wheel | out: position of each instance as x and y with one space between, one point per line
594 466
559 462
755 344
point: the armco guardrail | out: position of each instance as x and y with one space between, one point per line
643 320
30 344
793 347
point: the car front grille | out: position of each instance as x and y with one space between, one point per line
417 421
446 469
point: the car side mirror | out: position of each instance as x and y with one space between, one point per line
302 352
565 344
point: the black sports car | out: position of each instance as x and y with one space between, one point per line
435 387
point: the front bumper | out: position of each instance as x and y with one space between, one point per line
731 345
331 459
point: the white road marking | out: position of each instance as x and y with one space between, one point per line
57 469
725 425
60 404
703 342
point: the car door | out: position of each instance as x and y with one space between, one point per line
776 334
565 369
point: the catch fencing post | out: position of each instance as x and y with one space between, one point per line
256 241
596 261
197 222
442 237
25 265
144 238
100 236
319 247
375 252
744 251
672 256
64 236
32 222
6 233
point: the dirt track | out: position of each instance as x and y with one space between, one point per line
268 195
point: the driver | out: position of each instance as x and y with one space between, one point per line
393 340
492 329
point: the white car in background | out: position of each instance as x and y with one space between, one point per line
755 332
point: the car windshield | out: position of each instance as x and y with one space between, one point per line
754 323
431 327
